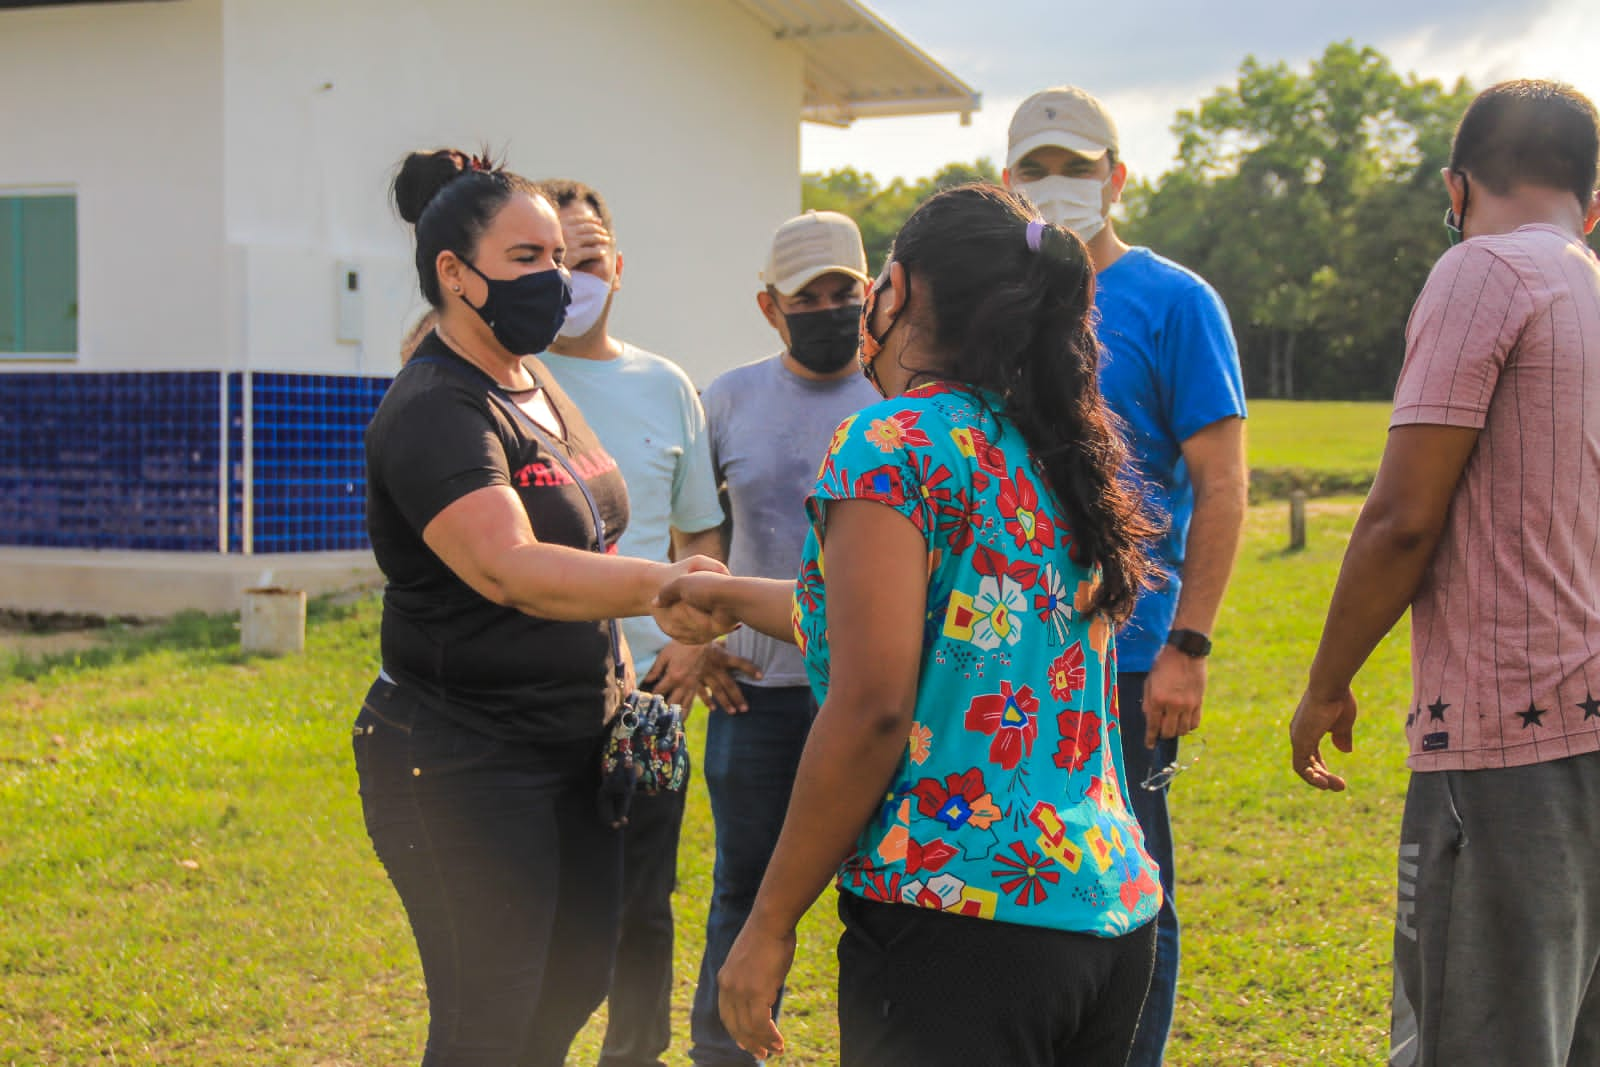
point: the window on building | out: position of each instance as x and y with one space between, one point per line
38 274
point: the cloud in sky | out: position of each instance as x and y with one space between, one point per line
1148 59
1018 45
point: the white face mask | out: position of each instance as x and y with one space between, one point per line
1074 203
589 296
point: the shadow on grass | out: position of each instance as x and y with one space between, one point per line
207 638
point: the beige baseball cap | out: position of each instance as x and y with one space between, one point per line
1063 117
811 245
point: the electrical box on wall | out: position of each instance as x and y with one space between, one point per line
347 314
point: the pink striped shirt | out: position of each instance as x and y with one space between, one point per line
1505 628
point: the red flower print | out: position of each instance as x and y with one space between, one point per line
958 519
1011 717
1132 892
898 431
958 800
929 857
883 485
992 564
1026 874
1080 739
1066 673
970 441
932 389
883 889
989 457
808 590
931 478
1019 503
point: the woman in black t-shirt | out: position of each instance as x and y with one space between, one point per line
478 746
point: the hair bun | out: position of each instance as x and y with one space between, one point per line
422 175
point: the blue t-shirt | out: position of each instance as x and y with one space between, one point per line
1169 369
1008 801
646 414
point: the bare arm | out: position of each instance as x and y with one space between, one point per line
877 594
485 538
1393 542
764 604
1215 456
706 543
681 672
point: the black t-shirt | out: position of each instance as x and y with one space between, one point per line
437 436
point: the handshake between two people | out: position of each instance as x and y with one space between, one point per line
700 601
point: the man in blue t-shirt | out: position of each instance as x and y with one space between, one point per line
645 412
1170 370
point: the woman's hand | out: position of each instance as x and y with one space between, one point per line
688 606
747 988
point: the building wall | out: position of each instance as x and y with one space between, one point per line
121 104
684 115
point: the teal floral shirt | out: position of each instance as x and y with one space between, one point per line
1008 803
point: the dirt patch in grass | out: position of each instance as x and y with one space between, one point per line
33 634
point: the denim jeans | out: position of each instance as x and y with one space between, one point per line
506 871
749 769
1150 808
639 1015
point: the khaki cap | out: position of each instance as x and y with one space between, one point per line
1063 117
811 245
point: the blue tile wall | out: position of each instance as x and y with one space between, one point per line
310 480
109 460
134 460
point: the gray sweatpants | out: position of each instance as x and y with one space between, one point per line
1497 933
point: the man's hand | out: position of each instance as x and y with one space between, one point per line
1313 719
586 239
683 672
683 618
1173 692
747 988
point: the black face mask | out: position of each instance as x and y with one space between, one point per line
525 313
824 341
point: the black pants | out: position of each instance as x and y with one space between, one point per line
921 988
639 1012
508 876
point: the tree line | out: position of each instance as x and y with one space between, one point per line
1310 199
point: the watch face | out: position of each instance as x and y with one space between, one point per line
1190 642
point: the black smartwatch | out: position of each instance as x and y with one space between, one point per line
1191 643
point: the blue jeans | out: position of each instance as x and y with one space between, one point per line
507 873
1150 808
749 769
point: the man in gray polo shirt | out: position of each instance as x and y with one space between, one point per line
770 423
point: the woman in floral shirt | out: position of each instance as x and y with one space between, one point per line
972 548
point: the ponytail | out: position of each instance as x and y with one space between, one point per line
1010 313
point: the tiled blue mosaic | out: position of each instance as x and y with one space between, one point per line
110 460
137 460
310 480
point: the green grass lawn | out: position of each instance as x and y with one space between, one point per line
1325 435
185 881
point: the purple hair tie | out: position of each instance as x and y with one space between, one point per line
1035 233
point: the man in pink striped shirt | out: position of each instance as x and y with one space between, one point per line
1485 522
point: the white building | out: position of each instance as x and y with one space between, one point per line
200 186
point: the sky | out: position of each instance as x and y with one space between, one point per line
1147 59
